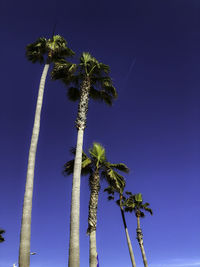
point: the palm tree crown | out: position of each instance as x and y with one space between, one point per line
135 203
98 161
96 166
88 73
54 48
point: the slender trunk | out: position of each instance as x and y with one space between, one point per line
140 241
92 216
128 238
25 236
93 249
74 247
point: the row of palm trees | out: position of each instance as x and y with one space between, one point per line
131 203
87 79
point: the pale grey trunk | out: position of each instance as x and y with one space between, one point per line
140 241
93 249
130 248
92 216
128 238
74 247
25 236
74 251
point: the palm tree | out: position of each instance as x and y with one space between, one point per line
92 77
111 191
42 51
96 165
135 203
1 237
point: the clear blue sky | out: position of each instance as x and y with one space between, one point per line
153 49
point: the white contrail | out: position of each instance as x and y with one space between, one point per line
130 70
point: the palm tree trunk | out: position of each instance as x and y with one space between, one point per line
140 241
92 216
128 238
93 249
25 236
74 247
74 251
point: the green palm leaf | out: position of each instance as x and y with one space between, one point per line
98 153
101 88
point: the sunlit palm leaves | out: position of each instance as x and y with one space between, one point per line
97 159
48 50
101 89
135 203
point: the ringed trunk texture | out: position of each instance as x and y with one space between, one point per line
128 239
140 241
92 216
74 246
25 235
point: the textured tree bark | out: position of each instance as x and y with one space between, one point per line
74 247
128 239
92 216
140 241
25 236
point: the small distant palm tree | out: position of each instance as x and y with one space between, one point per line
90 79
111 191
43 51
1 237
96 166
135 203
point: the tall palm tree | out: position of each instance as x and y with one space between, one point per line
89 80
135 203
111 191
96 165
42 51
1 237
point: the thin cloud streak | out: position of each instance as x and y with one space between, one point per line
129 71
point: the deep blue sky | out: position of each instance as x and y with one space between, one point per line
153 49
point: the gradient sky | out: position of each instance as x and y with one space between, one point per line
153 50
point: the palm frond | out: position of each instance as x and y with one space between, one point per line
106 98
138 197
110 190
57 47
73 94
2 231
35 51
68 167
63 70
97 151
120 166
142 215
145 207
86 162
129 193
115 180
